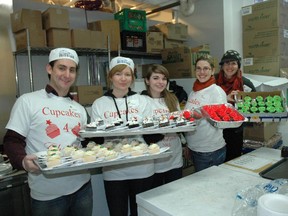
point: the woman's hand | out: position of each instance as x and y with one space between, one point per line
231 96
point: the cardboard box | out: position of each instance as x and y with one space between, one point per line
267 65
168 44
267 42
37 38
26 18
260 131
98 40
56 18
154 42
172 31
80 38
58 38
268 14
110 28
87 94
180 62
201 48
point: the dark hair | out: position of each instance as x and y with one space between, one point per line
170 99
52 63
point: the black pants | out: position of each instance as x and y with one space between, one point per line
234 142
166 177
119 192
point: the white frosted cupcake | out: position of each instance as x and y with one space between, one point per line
137 151
111 154
101 152
126 148
90 145
78 154
96 148
53 160
68 151
118 147
154 149
89 156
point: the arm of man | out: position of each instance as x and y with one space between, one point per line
14 147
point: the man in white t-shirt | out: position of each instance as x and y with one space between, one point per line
44 118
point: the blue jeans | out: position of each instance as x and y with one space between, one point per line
79 203
203 160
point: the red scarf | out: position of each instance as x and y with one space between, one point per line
199 86
228 85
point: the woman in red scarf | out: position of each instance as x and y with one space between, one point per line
230 79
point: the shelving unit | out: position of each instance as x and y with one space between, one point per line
38 51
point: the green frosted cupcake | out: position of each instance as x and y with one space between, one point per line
247 104
259 98
262 109
271 109
247 98
279 109
277 98
254 103
261 103
240 104
269 98
269 103
253 109
277 104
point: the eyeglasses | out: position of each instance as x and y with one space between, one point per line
232 63
205 69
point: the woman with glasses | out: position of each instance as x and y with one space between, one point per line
230 79
207 144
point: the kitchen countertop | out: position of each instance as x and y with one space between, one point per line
209 192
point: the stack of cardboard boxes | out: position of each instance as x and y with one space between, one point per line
265 37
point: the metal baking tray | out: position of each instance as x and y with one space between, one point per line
125 131
224 124
277 170
72 167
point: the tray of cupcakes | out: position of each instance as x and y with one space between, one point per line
114 152
261 104
223 116
180 121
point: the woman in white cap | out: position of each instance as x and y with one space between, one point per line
42 119
123 182
230 79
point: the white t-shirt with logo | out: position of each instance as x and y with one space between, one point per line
104 108
45 120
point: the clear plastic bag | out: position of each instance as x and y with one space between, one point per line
246 199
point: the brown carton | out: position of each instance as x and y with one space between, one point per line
80 38
172 43
37 38
98 40
110 28
260 131
58 38
154 42
87 94
177 31
268 14
26 18
56 18
266 42
266 65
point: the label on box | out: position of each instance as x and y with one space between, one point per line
285 33
248 61
246 10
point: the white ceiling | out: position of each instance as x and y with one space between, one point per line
137 4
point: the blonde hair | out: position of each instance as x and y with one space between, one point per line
207 58
170 99
117 68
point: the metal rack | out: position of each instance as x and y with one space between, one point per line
38 51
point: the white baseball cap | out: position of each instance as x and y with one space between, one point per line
121 60
63 53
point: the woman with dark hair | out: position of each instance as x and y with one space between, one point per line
163 102
230 79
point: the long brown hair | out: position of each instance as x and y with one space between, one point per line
170 99
117 68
